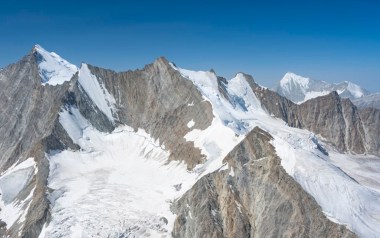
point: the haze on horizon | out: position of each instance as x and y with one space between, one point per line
330 41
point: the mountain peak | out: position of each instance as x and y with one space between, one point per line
37 47
290 78
52 68
299 89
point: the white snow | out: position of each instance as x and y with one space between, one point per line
119 182
238 205
232 115
300 89
215 142
124 181
12 182
97 92
355 90
232 173
74 123
355 203
313 94
191 123
290 79
342 199
53 69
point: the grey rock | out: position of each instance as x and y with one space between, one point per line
159 100
28 112
368 101
259 200
334 118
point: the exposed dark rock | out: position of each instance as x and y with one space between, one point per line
337 120
259 200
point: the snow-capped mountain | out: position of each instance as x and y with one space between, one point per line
52 68
369 101
300 89
169 152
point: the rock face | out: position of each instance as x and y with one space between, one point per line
335 119
368 101
254 197
371 119
157 99
28 113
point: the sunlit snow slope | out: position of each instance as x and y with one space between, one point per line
328 178
122 182
53 69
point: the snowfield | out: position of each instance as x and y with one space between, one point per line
347 195
122 183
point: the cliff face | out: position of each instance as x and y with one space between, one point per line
337 120
155 98
28 112
253 197
158 100
371 119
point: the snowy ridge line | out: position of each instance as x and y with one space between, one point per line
299 150
300 89
53 69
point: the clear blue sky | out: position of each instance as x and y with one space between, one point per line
325 40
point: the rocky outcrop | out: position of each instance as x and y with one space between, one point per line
337 120
257 199
371 120
254 197
160 101
155 98
28 109
28 112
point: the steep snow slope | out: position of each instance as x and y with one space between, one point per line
300 89
97 92
53 69
343 199
14 205
123 183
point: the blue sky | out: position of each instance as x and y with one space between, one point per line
326 40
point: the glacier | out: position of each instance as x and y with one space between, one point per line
123 183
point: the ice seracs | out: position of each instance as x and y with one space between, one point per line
52 68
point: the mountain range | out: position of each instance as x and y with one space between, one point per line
167 152
300 89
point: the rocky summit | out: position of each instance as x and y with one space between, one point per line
164 151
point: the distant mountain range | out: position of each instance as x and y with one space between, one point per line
300 89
